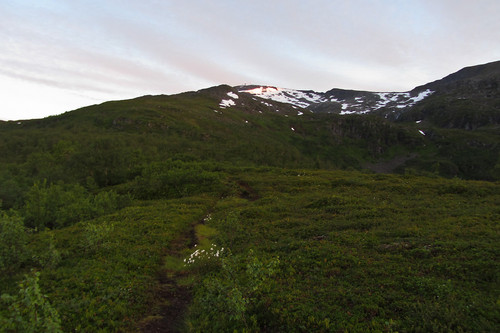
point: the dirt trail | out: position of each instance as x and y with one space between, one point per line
171 315
247 192
172 299
390 166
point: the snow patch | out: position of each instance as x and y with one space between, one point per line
358 105
232 95
422 95
295 97
347 112
403 100
225 103
421 132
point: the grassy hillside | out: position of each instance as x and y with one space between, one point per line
173 213
360 253
303 250
109 144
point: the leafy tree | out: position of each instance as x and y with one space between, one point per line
44 165
106 202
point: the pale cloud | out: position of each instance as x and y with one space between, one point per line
92 51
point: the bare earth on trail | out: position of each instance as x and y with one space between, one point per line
389 166
172 299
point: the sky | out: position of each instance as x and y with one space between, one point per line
59 55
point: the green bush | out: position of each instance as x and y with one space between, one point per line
13 239
56 206
30 311
232 232
175 179
96 236
46 255
107 202
230 299
11 191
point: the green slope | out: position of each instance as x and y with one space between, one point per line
110 143
107 201
304 250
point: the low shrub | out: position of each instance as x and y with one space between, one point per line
13 240
30 311
230 299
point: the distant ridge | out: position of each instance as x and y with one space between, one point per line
478 85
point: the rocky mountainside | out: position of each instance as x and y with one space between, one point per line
481 81
467 99
339 101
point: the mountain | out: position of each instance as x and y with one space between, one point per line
467 99
480 81
338 101
225 210
218 123
447 128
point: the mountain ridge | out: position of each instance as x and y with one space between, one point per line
474 84
469 82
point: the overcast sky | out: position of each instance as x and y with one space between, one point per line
58 55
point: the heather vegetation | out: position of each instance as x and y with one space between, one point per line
159 213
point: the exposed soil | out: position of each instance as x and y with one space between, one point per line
390 166
172 300
247 192
170 317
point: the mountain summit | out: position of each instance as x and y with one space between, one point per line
473 90
338 101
